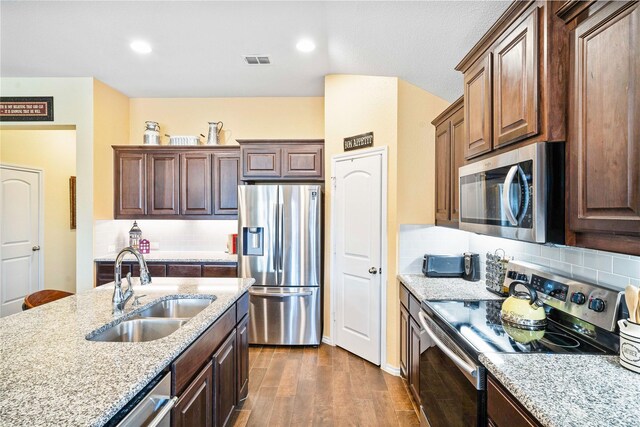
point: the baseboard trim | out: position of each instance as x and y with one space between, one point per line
391 370
327 340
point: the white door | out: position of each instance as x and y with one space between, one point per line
19 237
357 222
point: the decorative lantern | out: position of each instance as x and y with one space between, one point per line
134 236
145 246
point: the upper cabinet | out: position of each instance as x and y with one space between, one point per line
604 125
450 149
513 83
167 182
276 160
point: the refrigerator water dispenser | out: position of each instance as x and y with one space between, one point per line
253 241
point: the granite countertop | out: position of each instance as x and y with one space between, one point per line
569 389
432 288
178 256
51 375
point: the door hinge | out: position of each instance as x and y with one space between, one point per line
333 182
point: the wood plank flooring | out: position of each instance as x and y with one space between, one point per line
324 386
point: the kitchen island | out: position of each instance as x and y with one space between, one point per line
50 374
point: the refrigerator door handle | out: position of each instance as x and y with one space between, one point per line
280 236
281 294
276 239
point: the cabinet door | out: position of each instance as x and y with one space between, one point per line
457 160
184 270
130 184
515 83
404 339
477 108
302 162
604 116
503 410
260 162
242 345
195 406
226 175
163 182
224 375
414 359
195 184
219 271
443 172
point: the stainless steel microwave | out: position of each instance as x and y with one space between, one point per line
518 195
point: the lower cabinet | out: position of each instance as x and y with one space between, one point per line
410 332
207 375
404 335
414 359
195 406
105 273
503 410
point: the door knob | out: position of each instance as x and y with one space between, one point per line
35 248
373 270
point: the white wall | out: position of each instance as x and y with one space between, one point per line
165 235
72 106
606 268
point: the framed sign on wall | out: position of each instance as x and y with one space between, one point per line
358 141
26 108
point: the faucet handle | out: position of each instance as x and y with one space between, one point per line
135 302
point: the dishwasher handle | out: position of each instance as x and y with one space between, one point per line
446 350
155 422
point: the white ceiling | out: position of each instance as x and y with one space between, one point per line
197 46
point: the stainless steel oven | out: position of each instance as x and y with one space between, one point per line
452 382
517 195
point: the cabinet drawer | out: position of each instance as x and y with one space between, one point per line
219 271
156 270
414 307
184 270
242 306
404 296
504 410
194 357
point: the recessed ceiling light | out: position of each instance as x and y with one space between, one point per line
140 46
306 45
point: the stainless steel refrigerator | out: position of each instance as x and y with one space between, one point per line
279 245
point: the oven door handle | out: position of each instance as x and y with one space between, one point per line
446 350
506 191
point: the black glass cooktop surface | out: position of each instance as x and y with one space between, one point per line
479 324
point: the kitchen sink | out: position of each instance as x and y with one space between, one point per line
177 308
139 330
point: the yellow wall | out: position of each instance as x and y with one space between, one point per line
110 127
243 118
53 151
399 115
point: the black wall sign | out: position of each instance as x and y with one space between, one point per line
26 108
358 141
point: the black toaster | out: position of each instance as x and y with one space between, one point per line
443 265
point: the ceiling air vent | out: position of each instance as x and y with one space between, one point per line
257 59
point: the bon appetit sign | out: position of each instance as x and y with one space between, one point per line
358 141
26 109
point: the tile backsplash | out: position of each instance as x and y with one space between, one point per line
607 268
165 235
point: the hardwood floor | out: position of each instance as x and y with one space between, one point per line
324 386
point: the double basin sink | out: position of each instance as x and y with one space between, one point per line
155 322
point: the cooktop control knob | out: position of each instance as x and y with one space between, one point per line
596 304
578 298
522 277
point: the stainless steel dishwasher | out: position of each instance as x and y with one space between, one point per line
150 408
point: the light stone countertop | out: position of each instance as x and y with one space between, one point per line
51 375
177 256
570 390
432 288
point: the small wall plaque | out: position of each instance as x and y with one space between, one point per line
26 108
358 141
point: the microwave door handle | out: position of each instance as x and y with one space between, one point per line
446 350
525 187
506 189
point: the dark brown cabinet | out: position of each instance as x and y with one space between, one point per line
293 160
105 273
414 359
477 111
131 184
404 346
163 184
450 146
503 410
515 83
195 406
604 127
224 372
167 182
410 331
195 183
242 363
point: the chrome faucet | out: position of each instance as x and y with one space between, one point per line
120 298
